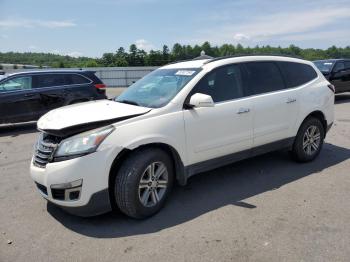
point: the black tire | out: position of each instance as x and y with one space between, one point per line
302 153
128 180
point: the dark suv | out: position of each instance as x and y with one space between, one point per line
26 96
337 71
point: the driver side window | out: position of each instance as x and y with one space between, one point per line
17 83
222 84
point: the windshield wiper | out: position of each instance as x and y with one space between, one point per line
128 102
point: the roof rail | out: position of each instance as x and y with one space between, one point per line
241 55
179 61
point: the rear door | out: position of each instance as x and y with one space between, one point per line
226 128
16 97
79 89
275 107
51 88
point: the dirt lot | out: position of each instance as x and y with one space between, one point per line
264 209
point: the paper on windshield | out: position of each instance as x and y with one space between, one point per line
184 73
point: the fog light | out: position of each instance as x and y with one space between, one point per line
67 191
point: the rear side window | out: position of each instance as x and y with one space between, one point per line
338 67
75 79
347 65
48 80
222 84
296 74
261 77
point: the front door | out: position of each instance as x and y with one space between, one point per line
16 97
226 128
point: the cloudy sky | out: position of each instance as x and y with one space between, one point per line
93 27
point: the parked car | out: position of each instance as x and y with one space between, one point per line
26 96
337 72
177 121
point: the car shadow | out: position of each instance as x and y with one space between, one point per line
229 185
14 130
342 98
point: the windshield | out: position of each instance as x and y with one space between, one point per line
157 88
324 65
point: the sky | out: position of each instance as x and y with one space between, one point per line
93 27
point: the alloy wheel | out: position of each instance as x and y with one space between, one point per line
153 184
311 140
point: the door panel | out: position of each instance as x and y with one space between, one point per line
217 131
15 99
274 116
51 92
275 108
224 129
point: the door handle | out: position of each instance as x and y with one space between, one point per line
243 110
291 100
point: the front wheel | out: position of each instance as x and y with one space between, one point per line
309 140
143 182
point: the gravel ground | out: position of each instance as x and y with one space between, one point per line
263 209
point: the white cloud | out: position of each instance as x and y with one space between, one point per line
71 54
4 36
240 37
32 47
55 52
32 23
275 26
74 54
144 45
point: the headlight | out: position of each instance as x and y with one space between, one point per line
83 143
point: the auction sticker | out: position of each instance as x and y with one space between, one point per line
185 73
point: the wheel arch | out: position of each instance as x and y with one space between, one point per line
171 151
320 116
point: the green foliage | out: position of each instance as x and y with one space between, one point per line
138 57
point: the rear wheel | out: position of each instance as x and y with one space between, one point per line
143 182
309 140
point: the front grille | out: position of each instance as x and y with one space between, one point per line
41 188
44 150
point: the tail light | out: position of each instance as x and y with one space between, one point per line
100 86
331 87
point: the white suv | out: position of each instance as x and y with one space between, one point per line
179 120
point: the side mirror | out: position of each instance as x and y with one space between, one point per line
201 100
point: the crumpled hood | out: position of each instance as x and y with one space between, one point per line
77 118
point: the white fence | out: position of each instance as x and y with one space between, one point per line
111 76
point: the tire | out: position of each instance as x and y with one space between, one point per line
309 140
135 193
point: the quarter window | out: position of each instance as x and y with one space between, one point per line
261 77
221 84
18 83
296 74
75 79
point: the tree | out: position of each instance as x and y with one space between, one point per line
165 54
91 63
